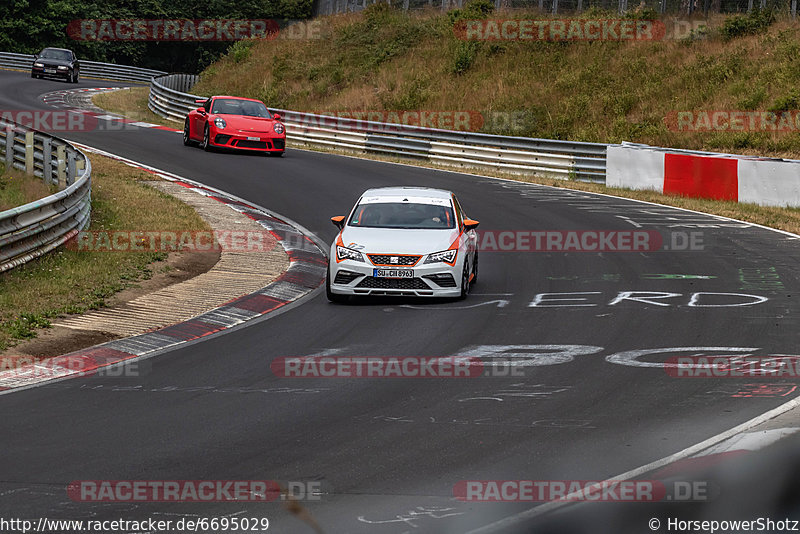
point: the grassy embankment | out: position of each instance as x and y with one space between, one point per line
597 91
384 59
70 281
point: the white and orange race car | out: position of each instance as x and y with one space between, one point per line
404 241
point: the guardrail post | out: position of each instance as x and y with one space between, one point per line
61 154
47 160
70 167
80 165
9 148
29 152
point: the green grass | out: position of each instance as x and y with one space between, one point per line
131 102
385 59
602 92
18 188
70 281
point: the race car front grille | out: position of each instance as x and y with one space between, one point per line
244 143
222 139
345 277
279 144
386 259
392 283
442 279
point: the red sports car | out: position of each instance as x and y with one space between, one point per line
234 122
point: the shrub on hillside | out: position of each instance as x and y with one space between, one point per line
755 22
641 12
787 103
240 50
465 55
473 10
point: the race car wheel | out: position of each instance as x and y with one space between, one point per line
187 140
464 282
333 297
206 144
475 268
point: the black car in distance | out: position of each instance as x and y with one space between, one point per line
58 63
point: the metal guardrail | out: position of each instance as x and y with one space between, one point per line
29 231
562 159
92 69
169 98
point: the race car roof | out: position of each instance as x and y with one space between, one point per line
398 194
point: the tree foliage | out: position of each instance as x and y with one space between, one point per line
27 26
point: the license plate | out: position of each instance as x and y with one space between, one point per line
393 273
254 139
50 71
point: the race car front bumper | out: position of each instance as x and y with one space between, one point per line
349 277
258 142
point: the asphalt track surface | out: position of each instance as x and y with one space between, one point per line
388 452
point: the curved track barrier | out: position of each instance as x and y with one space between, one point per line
562 159
169 98
93 69
763 181
29 231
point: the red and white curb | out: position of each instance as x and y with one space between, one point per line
80 101
731 177
307 266
733 447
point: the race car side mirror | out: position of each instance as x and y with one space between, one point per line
338 221
469 224
276 116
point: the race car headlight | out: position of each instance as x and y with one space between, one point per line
344 253
220 123
446 256
278 127
38 64
62 67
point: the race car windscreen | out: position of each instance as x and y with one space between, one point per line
49 53
248 108
403 215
